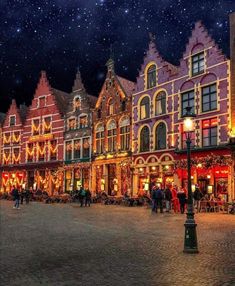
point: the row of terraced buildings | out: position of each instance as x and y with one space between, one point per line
132 135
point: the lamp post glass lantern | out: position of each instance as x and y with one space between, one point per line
190 238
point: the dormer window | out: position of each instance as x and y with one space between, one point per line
12 120
111 107
77 103
151 76
198 64
72 124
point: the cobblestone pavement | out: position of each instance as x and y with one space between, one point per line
63 244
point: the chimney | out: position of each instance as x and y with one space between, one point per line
232 68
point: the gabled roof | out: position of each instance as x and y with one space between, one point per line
62 99
127 85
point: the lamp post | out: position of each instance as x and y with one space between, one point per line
190 238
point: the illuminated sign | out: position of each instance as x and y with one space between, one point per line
44 137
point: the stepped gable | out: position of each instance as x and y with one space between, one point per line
199 39
13 110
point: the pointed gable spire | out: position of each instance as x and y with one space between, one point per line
110 62
78 84
43 87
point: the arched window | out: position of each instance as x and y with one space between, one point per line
151 76
99 139
160 136
111 107
144 108
125 133
160 103
112 136
144 139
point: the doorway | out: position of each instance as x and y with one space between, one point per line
111 177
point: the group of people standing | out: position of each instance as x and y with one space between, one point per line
19 196
84 197
173 198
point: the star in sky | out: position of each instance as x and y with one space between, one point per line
58 35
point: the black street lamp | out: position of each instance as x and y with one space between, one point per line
190 238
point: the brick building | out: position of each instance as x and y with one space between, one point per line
112 135
11 147
42 138
163 92
77 136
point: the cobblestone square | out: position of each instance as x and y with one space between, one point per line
63 244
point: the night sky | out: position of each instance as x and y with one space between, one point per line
60 35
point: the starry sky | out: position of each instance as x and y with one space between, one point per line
60 35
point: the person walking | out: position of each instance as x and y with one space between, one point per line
154 199
175 200
88 198
22 194
197 196
16 197
82 195
168 198
159 199
27 196
182 200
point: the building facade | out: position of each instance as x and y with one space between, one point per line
163 91
111 167
42 138
77 138
12 173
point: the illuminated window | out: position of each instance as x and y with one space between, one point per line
112 136
77 103
30 152
198 64
99 138
125 134
53 150
77 149
144 139
36 127
187 99
7 139
68 150
209 132
111 107
16 156
16 138
12 120
86 147
209 98
6 156
160 103
41 151
83 121
151 76
47 125
160 136
72 124
144 108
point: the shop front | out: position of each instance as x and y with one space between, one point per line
77 175
158 171
13 178
211 174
